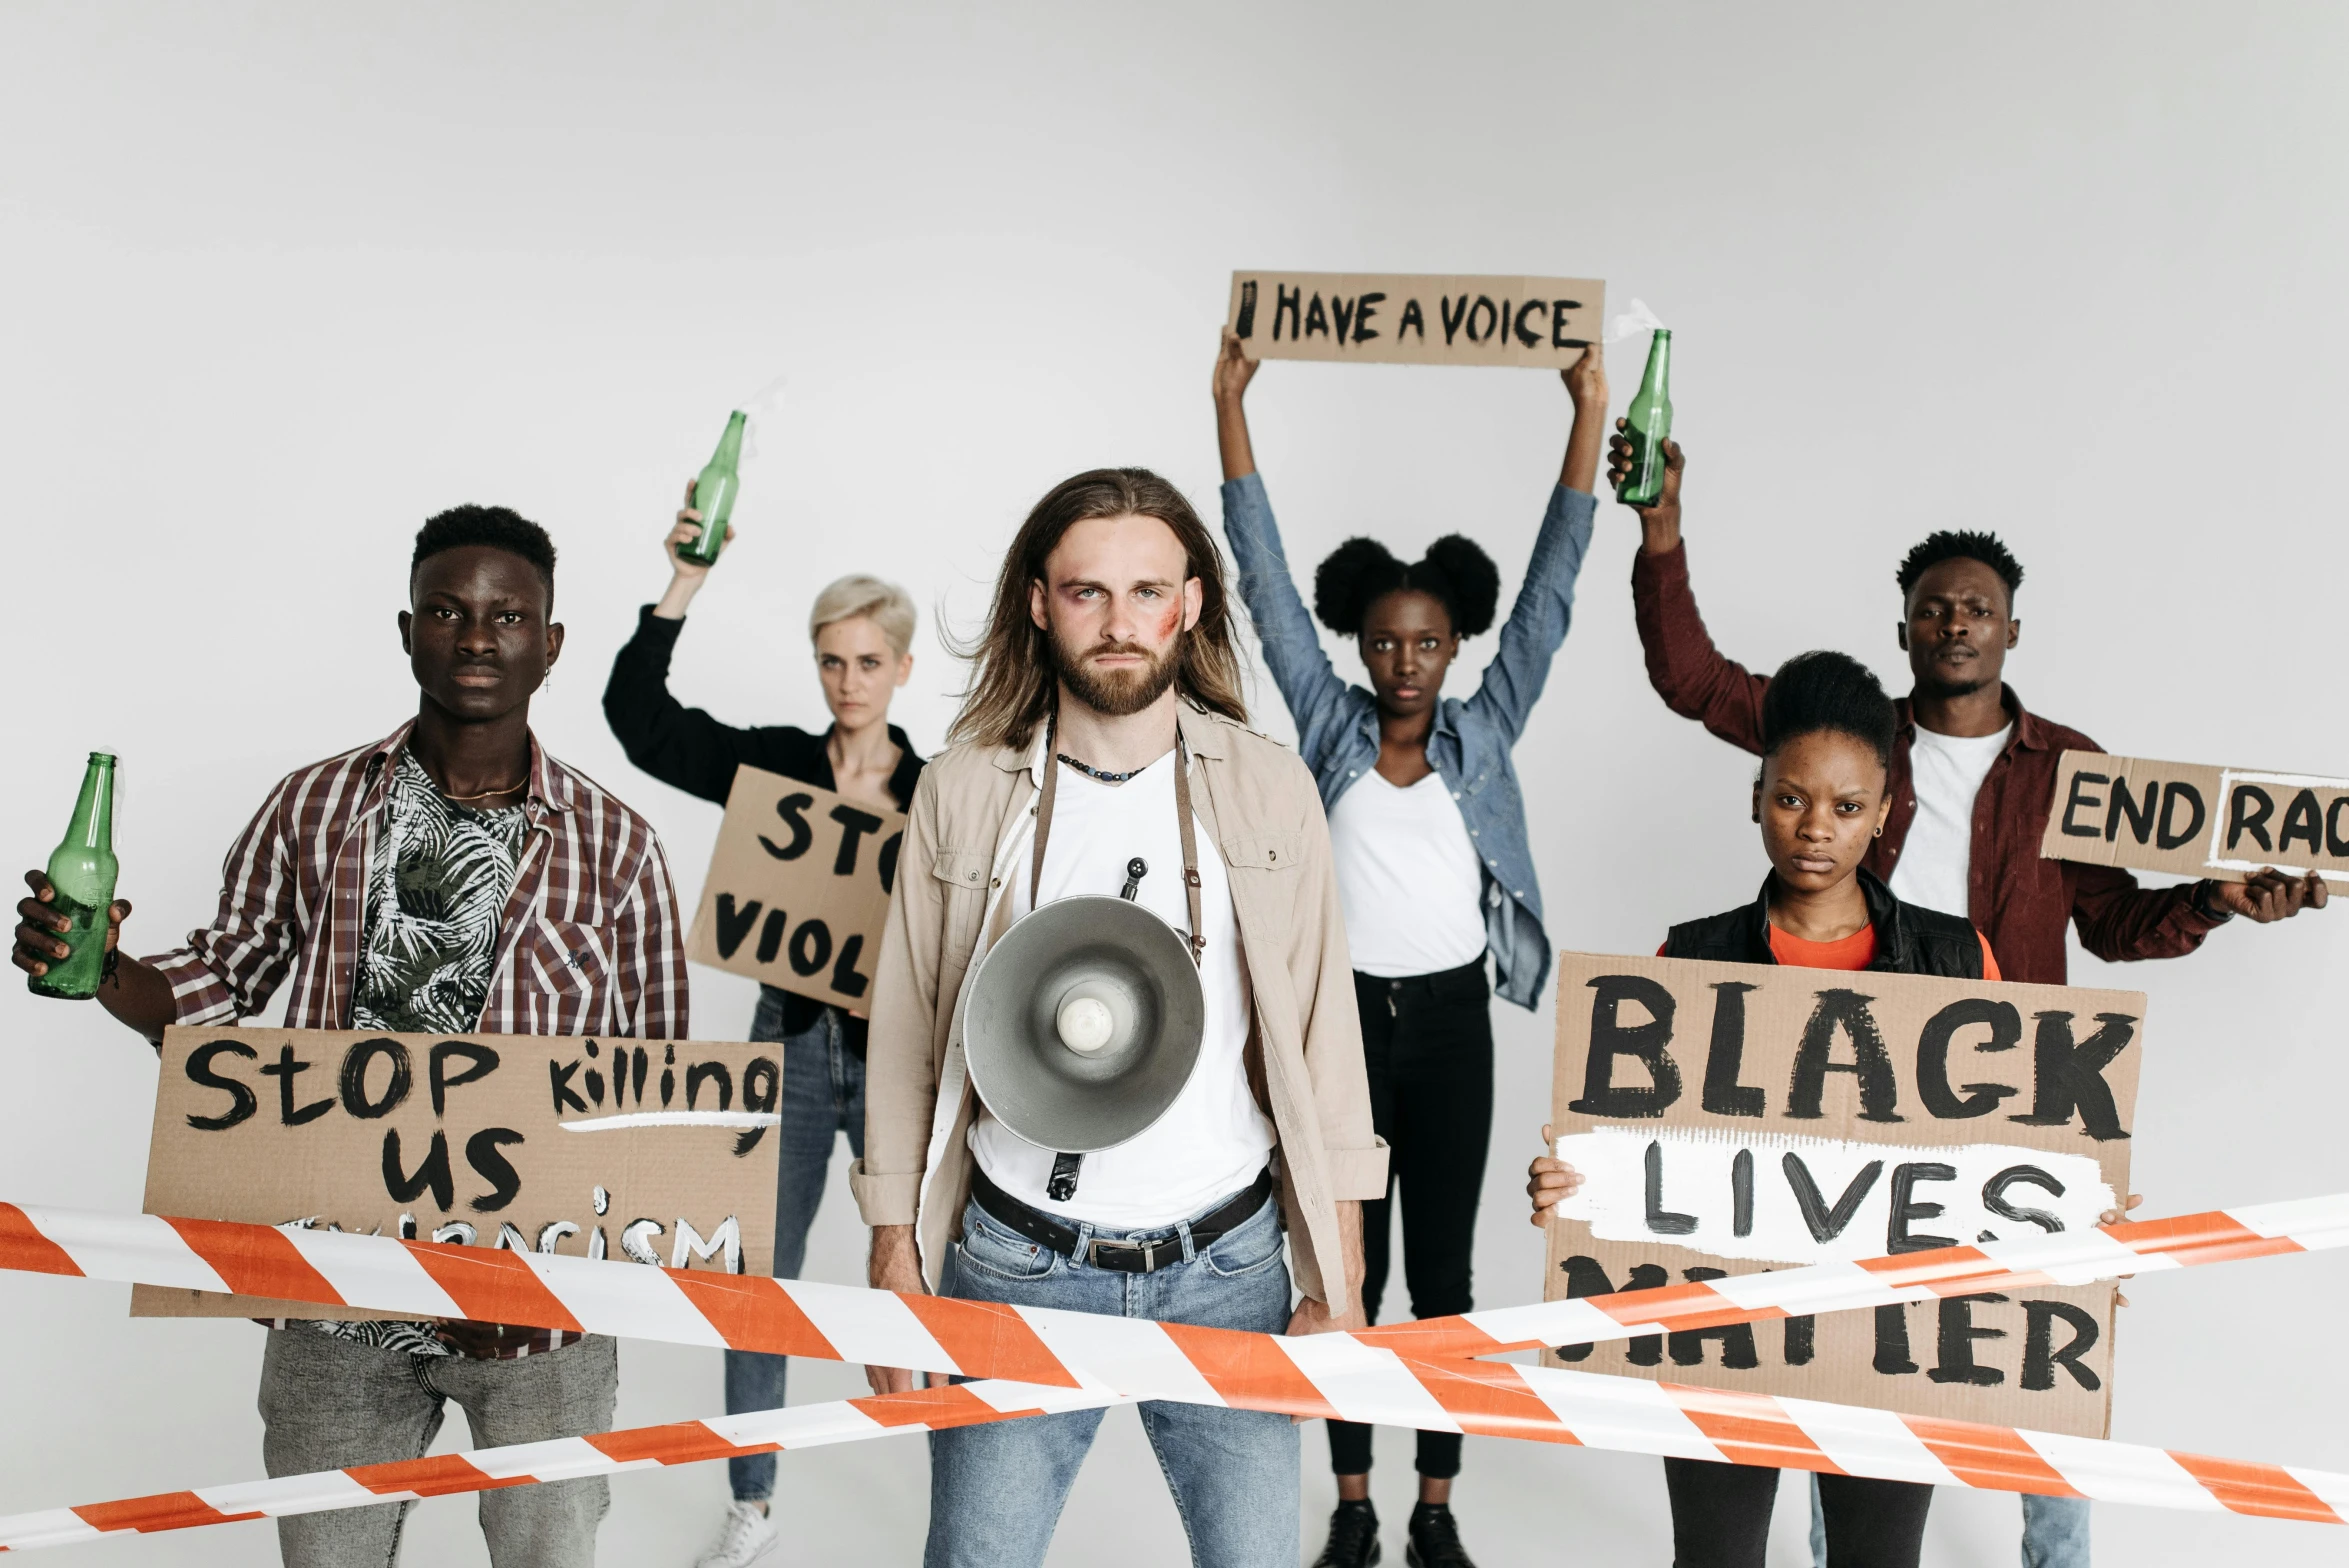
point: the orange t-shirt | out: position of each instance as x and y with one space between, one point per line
1856 951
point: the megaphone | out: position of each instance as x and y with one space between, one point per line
1084 1023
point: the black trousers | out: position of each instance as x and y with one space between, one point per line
1428 1043
1721 1516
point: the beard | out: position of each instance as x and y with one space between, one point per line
1116 693
1944 690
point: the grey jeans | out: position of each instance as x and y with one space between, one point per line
328 1404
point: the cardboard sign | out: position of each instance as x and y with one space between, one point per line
1542 323
1733 1117
657 1150
2222 823
798 889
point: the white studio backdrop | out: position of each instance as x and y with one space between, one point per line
282 280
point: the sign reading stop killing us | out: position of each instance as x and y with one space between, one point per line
1730 1118
2222 823
798 889
655 1150
1539 323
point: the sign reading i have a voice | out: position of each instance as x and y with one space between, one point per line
655 1150
2222 823
798 889
1733 1117
1540 323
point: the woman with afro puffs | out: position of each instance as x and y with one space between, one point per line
1427 826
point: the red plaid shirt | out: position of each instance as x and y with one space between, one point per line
590 941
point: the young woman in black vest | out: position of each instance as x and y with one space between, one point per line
1827 731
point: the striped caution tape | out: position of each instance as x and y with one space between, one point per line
1413 1375
1481 1398
562 1459
1063 1349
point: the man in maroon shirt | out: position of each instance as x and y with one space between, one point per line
1973 778
1958 623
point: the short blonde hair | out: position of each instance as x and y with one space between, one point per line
884 604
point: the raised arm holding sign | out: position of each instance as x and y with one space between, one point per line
1433 865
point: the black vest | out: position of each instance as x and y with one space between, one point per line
1910 939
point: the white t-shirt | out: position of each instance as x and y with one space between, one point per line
1936 862
1408 877
1213 1140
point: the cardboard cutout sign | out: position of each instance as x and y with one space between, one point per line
2222 823
1732 1117
798 889
657 1150
1542 323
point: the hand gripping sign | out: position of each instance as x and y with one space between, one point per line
1034 1361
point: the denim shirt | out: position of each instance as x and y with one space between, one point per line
1337 723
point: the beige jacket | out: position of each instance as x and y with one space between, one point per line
969 837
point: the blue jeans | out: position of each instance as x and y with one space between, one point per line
823 1094
996 1491
2055 1531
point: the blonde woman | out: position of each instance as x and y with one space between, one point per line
863 632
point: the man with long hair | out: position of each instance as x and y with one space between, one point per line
1104 724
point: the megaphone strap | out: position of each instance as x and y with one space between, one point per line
1048 787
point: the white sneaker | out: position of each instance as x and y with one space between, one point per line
749 1536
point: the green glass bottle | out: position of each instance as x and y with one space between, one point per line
1649 419
713 495
81 873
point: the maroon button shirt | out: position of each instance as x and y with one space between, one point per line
2016 899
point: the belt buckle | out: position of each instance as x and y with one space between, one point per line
1145 1250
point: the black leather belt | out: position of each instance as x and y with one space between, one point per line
1103 1252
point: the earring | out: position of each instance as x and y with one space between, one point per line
1879 833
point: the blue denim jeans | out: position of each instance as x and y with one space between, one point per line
996 1491
823 1095
2055 1531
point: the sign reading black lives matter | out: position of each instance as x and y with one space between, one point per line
2222 823
798 889
1538 323
1731 1118
657 1150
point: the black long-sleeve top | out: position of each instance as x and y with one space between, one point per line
687 748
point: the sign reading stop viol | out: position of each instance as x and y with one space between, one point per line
798 889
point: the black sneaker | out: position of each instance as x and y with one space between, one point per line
1353 1537
1434 1540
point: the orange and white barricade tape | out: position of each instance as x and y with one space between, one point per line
560 1459
1413 1375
